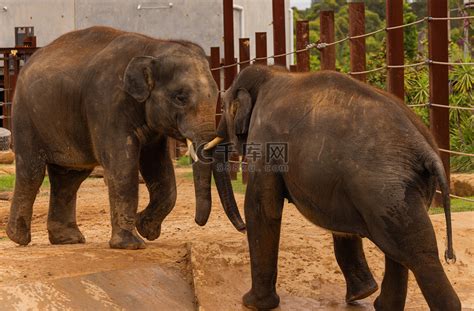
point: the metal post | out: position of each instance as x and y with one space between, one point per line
302 40
244 52
229 58
279 35
395 55
328 54
357 46
261 47
439 83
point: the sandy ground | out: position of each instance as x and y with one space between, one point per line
212 261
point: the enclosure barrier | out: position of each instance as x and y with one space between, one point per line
438 58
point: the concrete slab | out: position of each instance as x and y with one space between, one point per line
146 288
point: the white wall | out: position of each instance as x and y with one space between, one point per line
200 21
51 18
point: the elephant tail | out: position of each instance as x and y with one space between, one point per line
435 166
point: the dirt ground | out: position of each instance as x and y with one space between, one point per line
207 268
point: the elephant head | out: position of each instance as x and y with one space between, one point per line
178 96
239 101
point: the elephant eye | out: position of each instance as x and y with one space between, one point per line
181 98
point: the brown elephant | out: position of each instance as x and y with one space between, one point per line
102 96
355 160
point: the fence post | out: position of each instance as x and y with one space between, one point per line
244 56
229 59
6 87
261 47
439 83
395 53
215 62
302 40
244 52
328 54
279 34
357 46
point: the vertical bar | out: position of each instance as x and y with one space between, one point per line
261 47
229 58
439 83
244 56
328 54
216 74
244 52
302 40
395 54
7 109
279 34
357 46
6 85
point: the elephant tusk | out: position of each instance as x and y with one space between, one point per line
216 141
191 151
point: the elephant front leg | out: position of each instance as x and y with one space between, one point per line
157 171
263 210
121 171
351 259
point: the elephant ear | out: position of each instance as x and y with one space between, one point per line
138 77
243 112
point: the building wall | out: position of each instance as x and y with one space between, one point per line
51 18
198 21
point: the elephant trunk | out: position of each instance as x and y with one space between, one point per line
211 162
224 188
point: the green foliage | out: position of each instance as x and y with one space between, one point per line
415 47
183 161
457 205
7 182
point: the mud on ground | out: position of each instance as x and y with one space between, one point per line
191 267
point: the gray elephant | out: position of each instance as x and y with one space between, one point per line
354 160
101 96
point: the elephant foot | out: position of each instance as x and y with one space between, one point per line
361 290
379 305
124 239
147 228
19 232
252 301
61 234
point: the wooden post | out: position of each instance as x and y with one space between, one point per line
244 52
439 83
261 47
357 46
229 59
395 53
328 54
6 87
244 56
279 35
302 40
216 74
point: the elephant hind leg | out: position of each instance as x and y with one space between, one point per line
402 229
394 287
30 171
62 226
351 259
